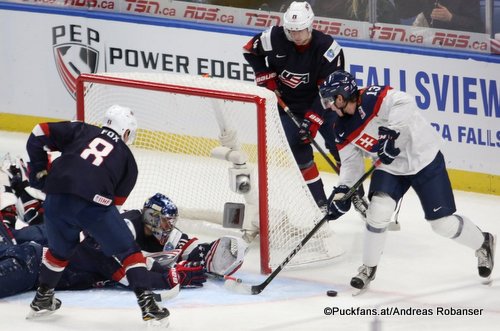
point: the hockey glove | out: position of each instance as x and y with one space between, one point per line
267 79
309 126
37 175
337 207
387 151
188 274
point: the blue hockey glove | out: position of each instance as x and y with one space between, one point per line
309 126
188 274
387 151
336 207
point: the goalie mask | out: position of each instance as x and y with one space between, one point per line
121 119
160 214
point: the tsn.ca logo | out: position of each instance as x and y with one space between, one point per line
74 53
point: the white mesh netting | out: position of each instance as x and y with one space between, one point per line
176 135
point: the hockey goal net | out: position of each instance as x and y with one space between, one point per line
195 135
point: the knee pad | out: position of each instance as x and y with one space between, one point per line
448 226
380 210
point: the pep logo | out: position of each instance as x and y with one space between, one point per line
74 53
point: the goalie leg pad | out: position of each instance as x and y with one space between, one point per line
226 255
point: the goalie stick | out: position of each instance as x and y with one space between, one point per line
256 289
223 277
311 139
167 294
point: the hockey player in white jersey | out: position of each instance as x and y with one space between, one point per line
386 123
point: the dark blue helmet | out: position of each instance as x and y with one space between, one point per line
160 213
339 82
163 204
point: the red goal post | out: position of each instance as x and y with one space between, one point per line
183 120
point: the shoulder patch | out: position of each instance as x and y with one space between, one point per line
332 52
265 40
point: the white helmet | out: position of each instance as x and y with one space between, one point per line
298 16
120 119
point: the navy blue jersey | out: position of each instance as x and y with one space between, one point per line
300 68
191 249
147 243
95 163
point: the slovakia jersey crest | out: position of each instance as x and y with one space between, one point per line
367 142
72 59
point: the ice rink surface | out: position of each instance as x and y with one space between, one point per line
424 282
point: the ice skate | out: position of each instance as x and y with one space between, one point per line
362 281
151 313
486 257
44 303
360 204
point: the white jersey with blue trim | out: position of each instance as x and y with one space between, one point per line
357 135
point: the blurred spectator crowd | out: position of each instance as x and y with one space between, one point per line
463 15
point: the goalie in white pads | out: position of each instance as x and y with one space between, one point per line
387 123
156 232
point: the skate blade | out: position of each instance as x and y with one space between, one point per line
33 315
393 226
155 324
360 291
487 281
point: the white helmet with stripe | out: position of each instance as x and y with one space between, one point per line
121 120
298 16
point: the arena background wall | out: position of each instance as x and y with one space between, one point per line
457 91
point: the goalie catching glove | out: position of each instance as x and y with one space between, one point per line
226 255
221 257
188 274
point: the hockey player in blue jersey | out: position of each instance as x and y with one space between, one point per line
94 175
172 256
292 60
155 227
387 123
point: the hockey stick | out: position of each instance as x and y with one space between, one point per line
256 289
223 277
311 139
167 294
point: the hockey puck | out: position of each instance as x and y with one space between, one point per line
331 293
